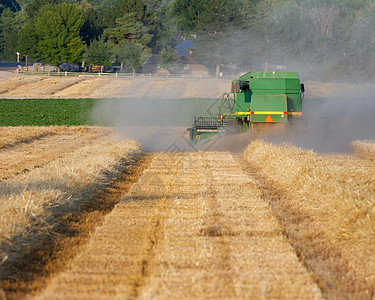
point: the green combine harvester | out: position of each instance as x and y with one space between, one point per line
256 99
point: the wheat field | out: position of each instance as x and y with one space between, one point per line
365 149
33 203
194 226
276 222
328 210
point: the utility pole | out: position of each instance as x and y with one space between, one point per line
18 56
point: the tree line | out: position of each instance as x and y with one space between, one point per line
337 35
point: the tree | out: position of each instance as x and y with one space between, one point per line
11 4
185 13
136 7
99 53
93 25
128 28
133 55
209 19
28 40
57 28
205 15
147 15
10 25
168 57
35 5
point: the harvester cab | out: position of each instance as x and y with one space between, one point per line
255 98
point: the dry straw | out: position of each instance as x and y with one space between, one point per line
192 227
31 204
10 136
365 149
329 214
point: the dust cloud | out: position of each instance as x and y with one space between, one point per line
330 124
159 124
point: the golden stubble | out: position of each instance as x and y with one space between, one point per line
328 213
31 203
365 149
194 226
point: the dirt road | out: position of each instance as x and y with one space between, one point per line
195 227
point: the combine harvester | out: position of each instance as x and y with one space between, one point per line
255 101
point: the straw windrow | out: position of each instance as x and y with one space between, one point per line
365 149
328 213
32 204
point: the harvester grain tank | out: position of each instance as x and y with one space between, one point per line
256 98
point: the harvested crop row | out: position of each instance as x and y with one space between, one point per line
13 83
39 87
88 87
38 146
365 149
328 213
11 136
192 227
33 204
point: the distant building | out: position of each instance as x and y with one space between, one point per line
186 65
190 66
184 48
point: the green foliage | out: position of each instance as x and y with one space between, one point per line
168 57
102 3
46 112
209 19
99 53
185 13
149 15
13 5
57 28
205 15
132 55
34 6
243 32
214 50
10 25
28 40
125 7
92 28
128 28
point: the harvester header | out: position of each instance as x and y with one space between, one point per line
255 98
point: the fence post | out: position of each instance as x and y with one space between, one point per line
66 73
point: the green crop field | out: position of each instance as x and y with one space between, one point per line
46 112
103 112
108 112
